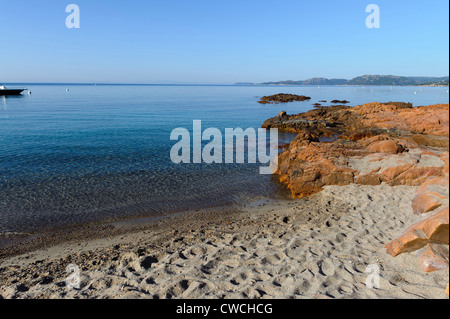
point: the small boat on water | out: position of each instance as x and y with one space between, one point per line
5 91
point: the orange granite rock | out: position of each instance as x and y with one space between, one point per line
411 241
308 166
434 257
427 120
428 124
409 175
432 194
434 229
387 146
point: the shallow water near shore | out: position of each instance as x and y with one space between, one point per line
101 153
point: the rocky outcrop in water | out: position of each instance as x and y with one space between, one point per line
283 98
373 143
426 125
340 101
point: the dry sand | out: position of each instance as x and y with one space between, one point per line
318 247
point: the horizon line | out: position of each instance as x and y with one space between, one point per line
193 84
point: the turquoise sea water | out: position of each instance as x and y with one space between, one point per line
98 153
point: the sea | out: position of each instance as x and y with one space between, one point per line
72 154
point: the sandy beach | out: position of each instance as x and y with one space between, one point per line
317 247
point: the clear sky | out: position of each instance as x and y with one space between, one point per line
212 41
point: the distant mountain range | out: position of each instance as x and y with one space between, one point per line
366 80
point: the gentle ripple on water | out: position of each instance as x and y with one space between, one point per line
102 153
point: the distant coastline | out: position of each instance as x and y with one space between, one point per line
367 80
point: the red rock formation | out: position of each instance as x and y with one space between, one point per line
308 166
379 135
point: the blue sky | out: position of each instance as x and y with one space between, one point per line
211 41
